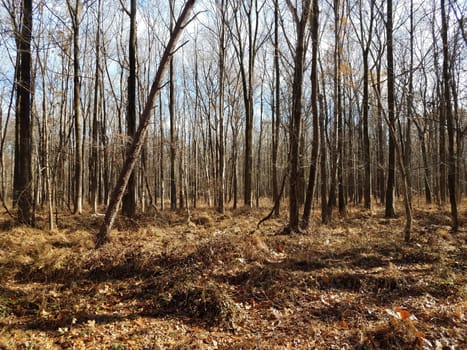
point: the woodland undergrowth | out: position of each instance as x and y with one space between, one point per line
219 282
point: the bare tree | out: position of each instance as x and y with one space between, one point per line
301 22
246 50
172 131
23 174
390 212
364 34
447 111
314 110
75 15
138 141
276 123
129 199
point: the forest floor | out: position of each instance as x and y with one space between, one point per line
219 282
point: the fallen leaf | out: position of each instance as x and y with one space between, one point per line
403 314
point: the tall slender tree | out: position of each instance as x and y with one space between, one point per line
276 123
447 110
314 111
220 112
129 199
74 10
23 174
172 131
391 180
301 22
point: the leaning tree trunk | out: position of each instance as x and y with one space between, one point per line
138 141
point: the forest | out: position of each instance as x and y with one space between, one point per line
233 174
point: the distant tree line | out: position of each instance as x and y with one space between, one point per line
321 105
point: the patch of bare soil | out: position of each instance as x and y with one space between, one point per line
217 282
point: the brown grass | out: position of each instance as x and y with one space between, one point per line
217 282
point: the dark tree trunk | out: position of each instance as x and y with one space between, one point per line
314 111
325 218
129 198
23 175
173 148
296 117
276 113
390 212
220 146
449 119
94 161
74 11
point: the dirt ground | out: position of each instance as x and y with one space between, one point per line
219 282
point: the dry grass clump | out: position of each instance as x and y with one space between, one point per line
201 220
33 253
396 334
201 302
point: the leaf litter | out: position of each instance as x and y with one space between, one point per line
217 282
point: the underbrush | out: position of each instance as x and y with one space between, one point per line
218 282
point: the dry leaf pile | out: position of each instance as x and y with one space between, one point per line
217 282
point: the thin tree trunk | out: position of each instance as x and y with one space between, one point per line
296 117
314 111
390 212
449 119
221 150
94 161
276 112
173 148
74 11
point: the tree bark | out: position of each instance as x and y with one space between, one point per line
94 161
220 146
276 113
23 188
449 120
74 11
173 148
314 110
296 117
390 212
129 198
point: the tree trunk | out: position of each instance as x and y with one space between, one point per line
390 212
296 117
449 119
129 198
276 113
94 161
75 14
173 146
325 218
221 150
314 111
138 141
24 86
